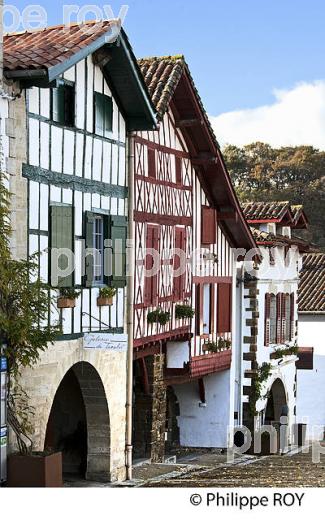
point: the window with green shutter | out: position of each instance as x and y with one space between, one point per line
103 120
61 246
63 105
109 256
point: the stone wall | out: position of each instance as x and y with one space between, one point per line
42 381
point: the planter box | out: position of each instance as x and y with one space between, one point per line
104 302
66 303
35 470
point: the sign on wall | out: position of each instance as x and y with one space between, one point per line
102 341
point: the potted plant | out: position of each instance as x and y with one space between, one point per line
106 295
24 305
67 298
158 316
183 312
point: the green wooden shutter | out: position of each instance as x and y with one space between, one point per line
61 237
58 104
117 230
99 114
89 236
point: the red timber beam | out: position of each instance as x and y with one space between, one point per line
167 220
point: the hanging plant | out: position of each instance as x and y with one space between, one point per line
67 298
158 316
184 311
106 295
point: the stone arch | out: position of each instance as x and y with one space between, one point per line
277 402
80 398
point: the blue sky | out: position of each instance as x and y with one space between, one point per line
239 51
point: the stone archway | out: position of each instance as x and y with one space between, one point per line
79 423
276 405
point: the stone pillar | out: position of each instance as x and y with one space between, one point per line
159 398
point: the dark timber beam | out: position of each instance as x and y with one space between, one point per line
185 123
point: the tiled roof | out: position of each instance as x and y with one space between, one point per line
255 211
312 283
270 239
161 75
44 48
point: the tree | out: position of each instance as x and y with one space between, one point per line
25 304
296 174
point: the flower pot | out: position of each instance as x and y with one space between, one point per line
35 470
66 303
104 301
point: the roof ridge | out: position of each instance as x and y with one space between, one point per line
60 26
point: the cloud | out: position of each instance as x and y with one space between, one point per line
296 117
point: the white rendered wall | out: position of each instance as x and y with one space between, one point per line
205 426
311 383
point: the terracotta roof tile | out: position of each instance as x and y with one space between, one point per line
312 283
41 49
255 211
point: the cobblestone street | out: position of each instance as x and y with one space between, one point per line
274 471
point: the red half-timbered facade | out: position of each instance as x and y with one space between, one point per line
186 212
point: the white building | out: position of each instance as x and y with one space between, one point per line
80 93
311 336
269 313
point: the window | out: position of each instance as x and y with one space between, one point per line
270 319
61 238
103 120
208 226
152 163
179 267
105 261
98 245
279 318
287 336
273 314
151 279
63 105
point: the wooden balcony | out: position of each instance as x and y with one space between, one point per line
199 366
210 363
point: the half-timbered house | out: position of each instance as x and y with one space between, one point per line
267 295
186 211
81 92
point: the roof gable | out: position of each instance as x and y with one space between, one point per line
39 57
171 86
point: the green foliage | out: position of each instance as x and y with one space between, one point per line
107 292
184 311
69 292
286 351
260 172
218 346
25 304
263 373
158 316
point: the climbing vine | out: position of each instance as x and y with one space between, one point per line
263 373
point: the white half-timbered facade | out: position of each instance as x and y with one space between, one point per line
268 316
83 91
180 360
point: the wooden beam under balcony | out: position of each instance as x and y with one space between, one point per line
186 123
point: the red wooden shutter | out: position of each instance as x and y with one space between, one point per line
283 318
178 169
179 280
152 163
208 226
278 317
224 308
212 308
155 246
267 319
151 282
292 316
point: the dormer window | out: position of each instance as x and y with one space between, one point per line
103 120
63 104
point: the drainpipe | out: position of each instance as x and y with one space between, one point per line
130 300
